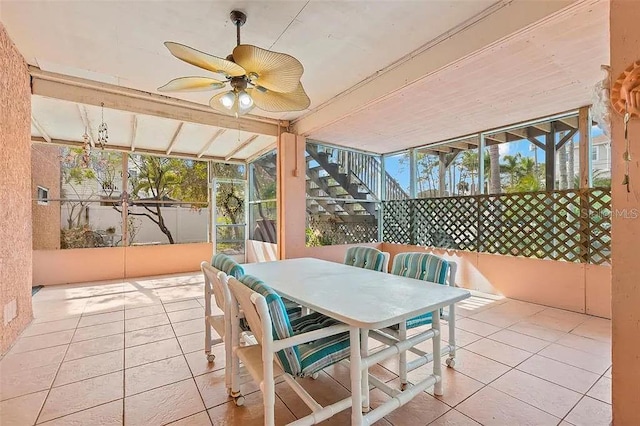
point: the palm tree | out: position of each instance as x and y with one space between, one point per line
511 167
494 175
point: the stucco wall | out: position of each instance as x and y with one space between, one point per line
625 237
573 286
15 190
45 172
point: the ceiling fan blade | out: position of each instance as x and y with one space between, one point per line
215 103
275 71
204 60
280 102
191 84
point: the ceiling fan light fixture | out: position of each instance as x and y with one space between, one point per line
228 100
244 100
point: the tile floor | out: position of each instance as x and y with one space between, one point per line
131 352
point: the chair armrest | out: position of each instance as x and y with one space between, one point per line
309 337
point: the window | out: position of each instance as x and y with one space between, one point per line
594 153
43 196
262 198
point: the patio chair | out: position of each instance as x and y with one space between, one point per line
214 286
367 258
427 267
287 349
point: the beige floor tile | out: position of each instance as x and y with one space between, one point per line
251 413
148 335
22 410
179 306
155 374
200 419
24 361
97 346
499 352
564 314
198 361
50 327
554 322
186 314
491 407
15 383
608 373
557 372
537 331
454 418
79 396
478 367
520 341
457 387
463 337
150 352
476 327
192 342
325 390
421 410
25 344
163 405
601 390
178 294
144 311
145 322
213 388
97 319
546 396
499 319
519 307
141 299
104 304
96 331
585 344
577 358
340 372
109 414
188 327
92 366
595 328
590 412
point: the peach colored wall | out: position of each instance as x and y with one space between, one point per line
625 49
143 261
15 191
573 286
45 172
99 264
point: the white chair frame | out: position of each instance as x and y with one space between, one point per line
215 283
389 336
260 361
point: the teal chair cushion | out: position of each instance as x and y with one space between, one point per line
422 266
365 257
307 358
224 263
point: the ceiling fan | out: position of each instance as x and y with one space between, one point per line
258 77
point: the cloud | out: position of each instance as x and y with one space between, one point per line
504 148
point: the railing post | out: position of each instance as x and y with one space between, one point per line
585 224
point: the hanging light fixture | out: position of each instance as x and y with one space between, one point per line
85 160
103 131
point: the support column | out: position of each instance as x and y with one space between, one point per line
550 158
442 184
291 196
625 39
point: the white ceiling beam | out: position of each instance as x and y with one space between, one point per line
240 147
207 145
84 116
494 24
174 138
40 129
127 149
134 130
90 92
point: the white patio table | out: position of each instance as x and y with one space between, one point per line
365 300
